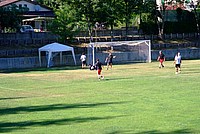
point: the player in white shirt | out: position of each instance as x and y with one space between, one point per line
83 60
177 62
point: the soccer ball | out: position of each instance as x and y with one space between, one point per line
92 68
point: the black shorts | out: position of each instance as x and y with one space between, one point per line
109 62
178 65
83 62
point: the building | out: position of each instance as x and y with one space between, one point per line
37 15
173 4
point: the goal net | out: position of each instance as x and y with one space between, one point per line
125 51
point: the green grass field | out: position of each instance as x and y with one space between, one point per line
132 99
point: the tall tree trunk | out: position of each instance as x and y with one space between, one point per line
111 32
161 21
126 20
197 22
89 30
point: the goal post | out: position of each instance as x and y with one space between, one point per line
125 51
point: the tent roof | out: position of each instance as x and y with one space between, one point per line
56 47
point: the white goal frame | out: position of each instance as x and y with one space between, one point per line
94 45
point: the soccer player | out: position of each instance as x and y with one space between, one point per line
109 60
161 59
83 60
98 65
177 62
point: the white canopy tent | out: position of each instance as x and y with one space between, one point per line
55 48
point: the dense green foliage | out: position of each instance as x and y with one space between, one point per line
133 99
65 24
85 14
186 23
11 17
122 12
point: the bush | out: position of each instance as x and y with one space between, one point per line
149 27
180 27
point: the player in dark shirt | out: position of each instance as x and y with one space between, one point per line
99 69
161 59
109 60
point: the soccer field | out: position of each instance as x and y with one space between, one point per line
132 99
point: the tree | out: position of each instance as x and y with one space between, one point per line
85 12
109 12
131 6
65 24
160 14
11 17
197 19
54 4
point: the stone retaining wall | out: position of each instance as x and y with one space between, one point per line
41 38
186 53
79 50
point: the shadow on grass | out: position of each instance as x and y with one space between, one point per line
40 69
191 71
11 126
180 131
28 109
12 98
118 78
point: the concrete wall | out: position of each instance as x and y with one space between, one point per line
33 62
186 53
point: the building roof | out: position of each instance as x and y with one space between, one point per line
29 14
8 2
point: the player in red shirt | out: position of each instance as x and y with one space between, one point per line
99 69
161 59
